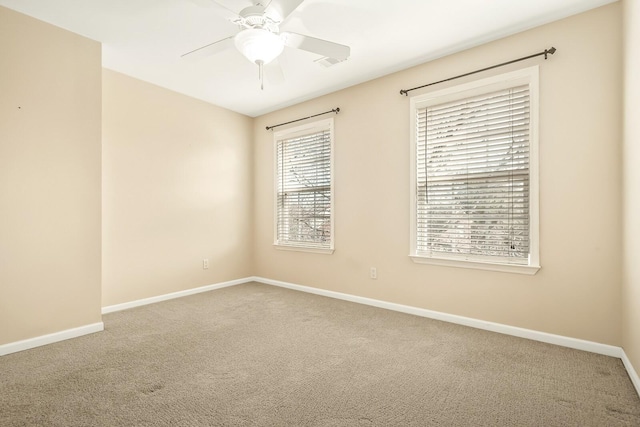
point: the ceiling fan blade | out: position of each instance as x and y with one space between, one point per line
209 49
325 48
283 8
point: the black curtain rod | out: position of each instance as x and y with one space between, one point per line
335 110
546 52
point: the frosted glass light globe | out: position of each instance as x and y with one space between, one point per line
258 45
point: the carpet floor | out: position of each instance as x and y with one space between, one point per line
257 355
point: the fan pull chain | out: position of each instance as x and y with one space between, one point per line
261 73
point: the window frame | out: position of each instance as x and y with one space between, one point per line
526 76
295 132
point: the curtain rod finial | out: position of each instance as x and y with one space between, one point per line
549 51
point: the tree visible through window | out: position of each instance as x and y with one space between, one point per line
304 187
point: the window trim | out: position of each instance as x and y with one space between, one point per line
293 132
523 76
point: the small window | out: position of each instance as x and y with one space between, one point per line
304 187
475 174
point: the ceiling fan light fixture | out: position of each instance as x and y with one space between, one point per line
259 45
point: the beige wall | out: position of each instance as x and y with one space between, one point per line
50 94
177 188
577 291
631 283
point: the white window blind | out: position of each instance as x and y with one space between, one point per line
473 179
304 193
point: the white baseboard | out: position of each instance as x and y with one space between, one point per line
635 379
165 297
593 347
14 347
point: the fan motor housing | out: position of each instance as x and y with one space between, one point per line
255 17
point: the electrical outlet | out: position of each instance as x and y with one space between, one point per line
205 263
373 273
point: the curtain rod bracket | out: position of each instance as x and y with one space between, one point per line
335 110
546 52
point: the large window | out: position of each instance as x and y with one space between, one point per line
475 176
304 187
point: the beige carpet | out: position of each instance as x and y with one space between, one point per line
258 355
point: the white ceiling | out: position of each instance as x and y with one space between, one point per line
145 39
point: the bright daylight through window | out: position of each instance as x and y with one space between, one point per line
304 187
474 174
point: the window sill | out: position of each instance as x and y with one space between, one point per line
303 249
504 268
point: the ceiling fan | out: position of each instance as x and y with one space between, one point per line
259 38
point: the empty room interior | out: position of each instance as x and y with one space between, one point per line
322 238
